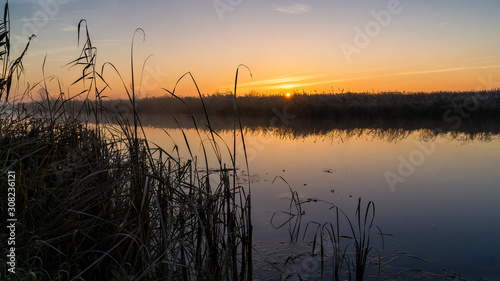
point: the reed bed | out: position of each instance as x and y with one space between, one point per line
338 106
98 202
469 115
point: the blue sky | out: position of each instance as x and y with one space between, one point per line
289 45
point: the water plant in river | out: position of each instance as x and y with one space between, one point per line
293 216
342 253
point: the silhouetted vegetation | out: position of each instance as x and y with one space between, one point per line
97 202
467 112
339 107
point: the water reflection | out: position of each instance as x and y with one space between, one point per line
328 130
446 209
370 134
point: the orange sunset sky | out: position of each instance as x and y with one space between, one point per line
311 45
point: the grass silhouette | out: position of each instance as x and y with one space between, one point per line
98 202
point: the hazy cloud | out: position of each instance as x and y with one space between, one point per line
71 28
447 23
295 9
447 70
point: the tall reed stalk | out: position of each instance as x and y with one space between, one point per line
10 69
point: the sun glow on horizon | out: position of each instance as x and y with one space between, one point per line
442 53
289 86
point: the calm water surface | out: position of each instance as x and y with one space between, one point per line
438 197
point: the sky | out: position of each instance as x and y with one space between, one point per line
304 45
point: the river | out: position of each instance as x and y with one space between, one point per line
435 194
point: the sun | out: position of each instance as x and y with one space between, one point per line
288 95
